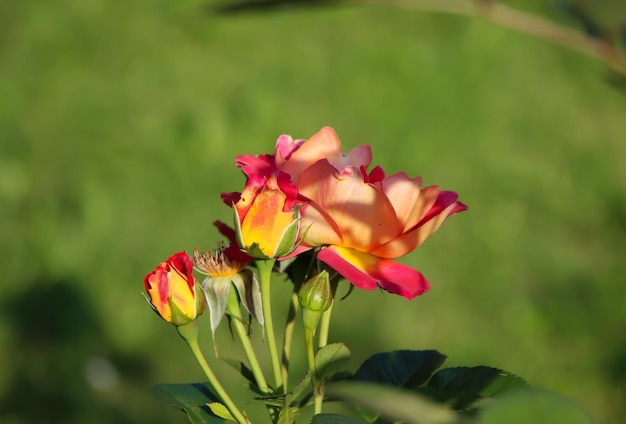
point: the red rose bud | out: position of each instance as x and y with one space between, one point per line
173 291
315 297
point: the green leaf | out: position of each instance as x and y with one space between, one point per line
331 358
221 410
392 403
403 368
528 406
465 388
191 398
334 419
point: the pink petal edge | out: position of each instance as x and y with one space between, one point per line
392 276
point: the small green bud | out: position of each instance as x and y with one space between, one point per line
315 297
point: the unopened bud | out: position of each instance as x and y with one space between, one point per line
315 297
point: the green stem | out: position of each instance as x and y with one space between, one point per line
265 275
318 389
310 352
324 326
234 309
289 327
189 333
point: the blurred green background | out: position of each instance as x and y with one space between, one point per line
119 123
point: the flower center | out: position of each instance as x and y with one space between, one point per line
217 263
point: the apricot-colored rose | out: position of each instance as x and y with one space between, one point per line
360 220
366 220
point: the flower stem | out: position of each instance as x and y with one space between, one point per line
289 327
324 326
234 309
189 333
265 275
318 388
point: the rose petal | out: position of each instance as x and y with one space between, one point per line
405 195
350 264
319 228
360 156
285 146
323 144
361 212
256 165
400 279
419 234
367 271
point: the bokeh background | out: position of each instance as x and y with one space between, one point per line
119 123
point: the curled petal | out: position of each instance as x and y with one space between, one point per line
285 146
360 156
256 165
367 271
444 201
405 196
323 144
432 220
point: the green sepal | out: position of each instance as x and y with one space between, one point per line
238 232
287 243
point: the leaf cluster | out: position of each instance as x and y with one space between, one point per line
403 386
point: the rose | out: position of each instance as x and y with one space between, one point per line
365 220
361 220
173 291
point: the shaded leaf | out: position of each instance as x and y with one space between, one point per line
464 388
191 398
392 403
330 358
403 368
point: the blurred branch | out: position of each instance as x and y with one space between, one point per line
525 22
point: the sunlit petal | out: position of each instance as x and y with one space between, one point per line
323 144
351 264
361 212
367 271
404 194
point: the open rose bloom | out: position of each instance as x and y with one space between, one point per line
361 220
